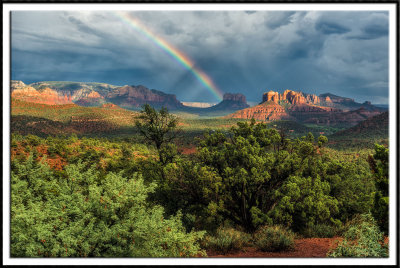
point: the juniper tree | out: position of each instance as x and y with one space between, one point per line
158 127
379 164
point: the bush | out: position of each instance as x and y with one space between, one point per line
273 238
226 240
362 239
320 230
82 214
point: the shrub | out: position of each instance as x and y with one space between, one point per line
226 239
82 214
320 230
273 238
362 239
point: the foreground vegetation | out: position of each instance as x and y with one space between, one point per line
249 185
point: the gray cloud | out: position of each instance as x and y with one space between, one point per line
275 20
344 53
331 28
372 31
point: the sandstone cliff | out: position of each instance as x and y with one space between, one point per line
291 97
44 96
266 111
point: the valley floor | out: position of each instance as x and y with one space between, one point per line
304 248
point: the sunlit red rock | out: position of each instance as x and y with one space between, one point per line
45 96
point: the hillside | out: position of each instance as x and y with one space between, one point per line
43 119
373 127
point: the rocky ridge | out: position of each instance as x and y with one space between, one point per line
136 96
129 97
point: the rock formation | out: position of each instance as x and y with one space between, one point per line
16 84
87 97
136 96
239 98
290 97
45 96
308 108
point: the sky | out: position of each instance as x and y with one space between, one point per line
250 52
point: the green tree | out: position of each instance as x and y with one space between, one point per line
158 127
322 140
252 163
352 185
303 202
379 164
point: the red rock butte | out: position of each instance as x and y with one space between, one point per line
292 97
306 108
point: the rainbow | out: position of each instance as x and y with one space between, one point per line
179 56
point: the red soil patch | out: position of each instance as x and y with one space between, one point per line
304 248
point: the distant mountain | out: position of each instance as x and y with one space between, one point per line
385 106
135 96
198 104
69 88
308 108
92 94
328 109
59 92
230 103
335 99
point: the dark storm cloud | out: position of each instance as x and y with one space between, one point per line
344 53
376 30
372 31
331 28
